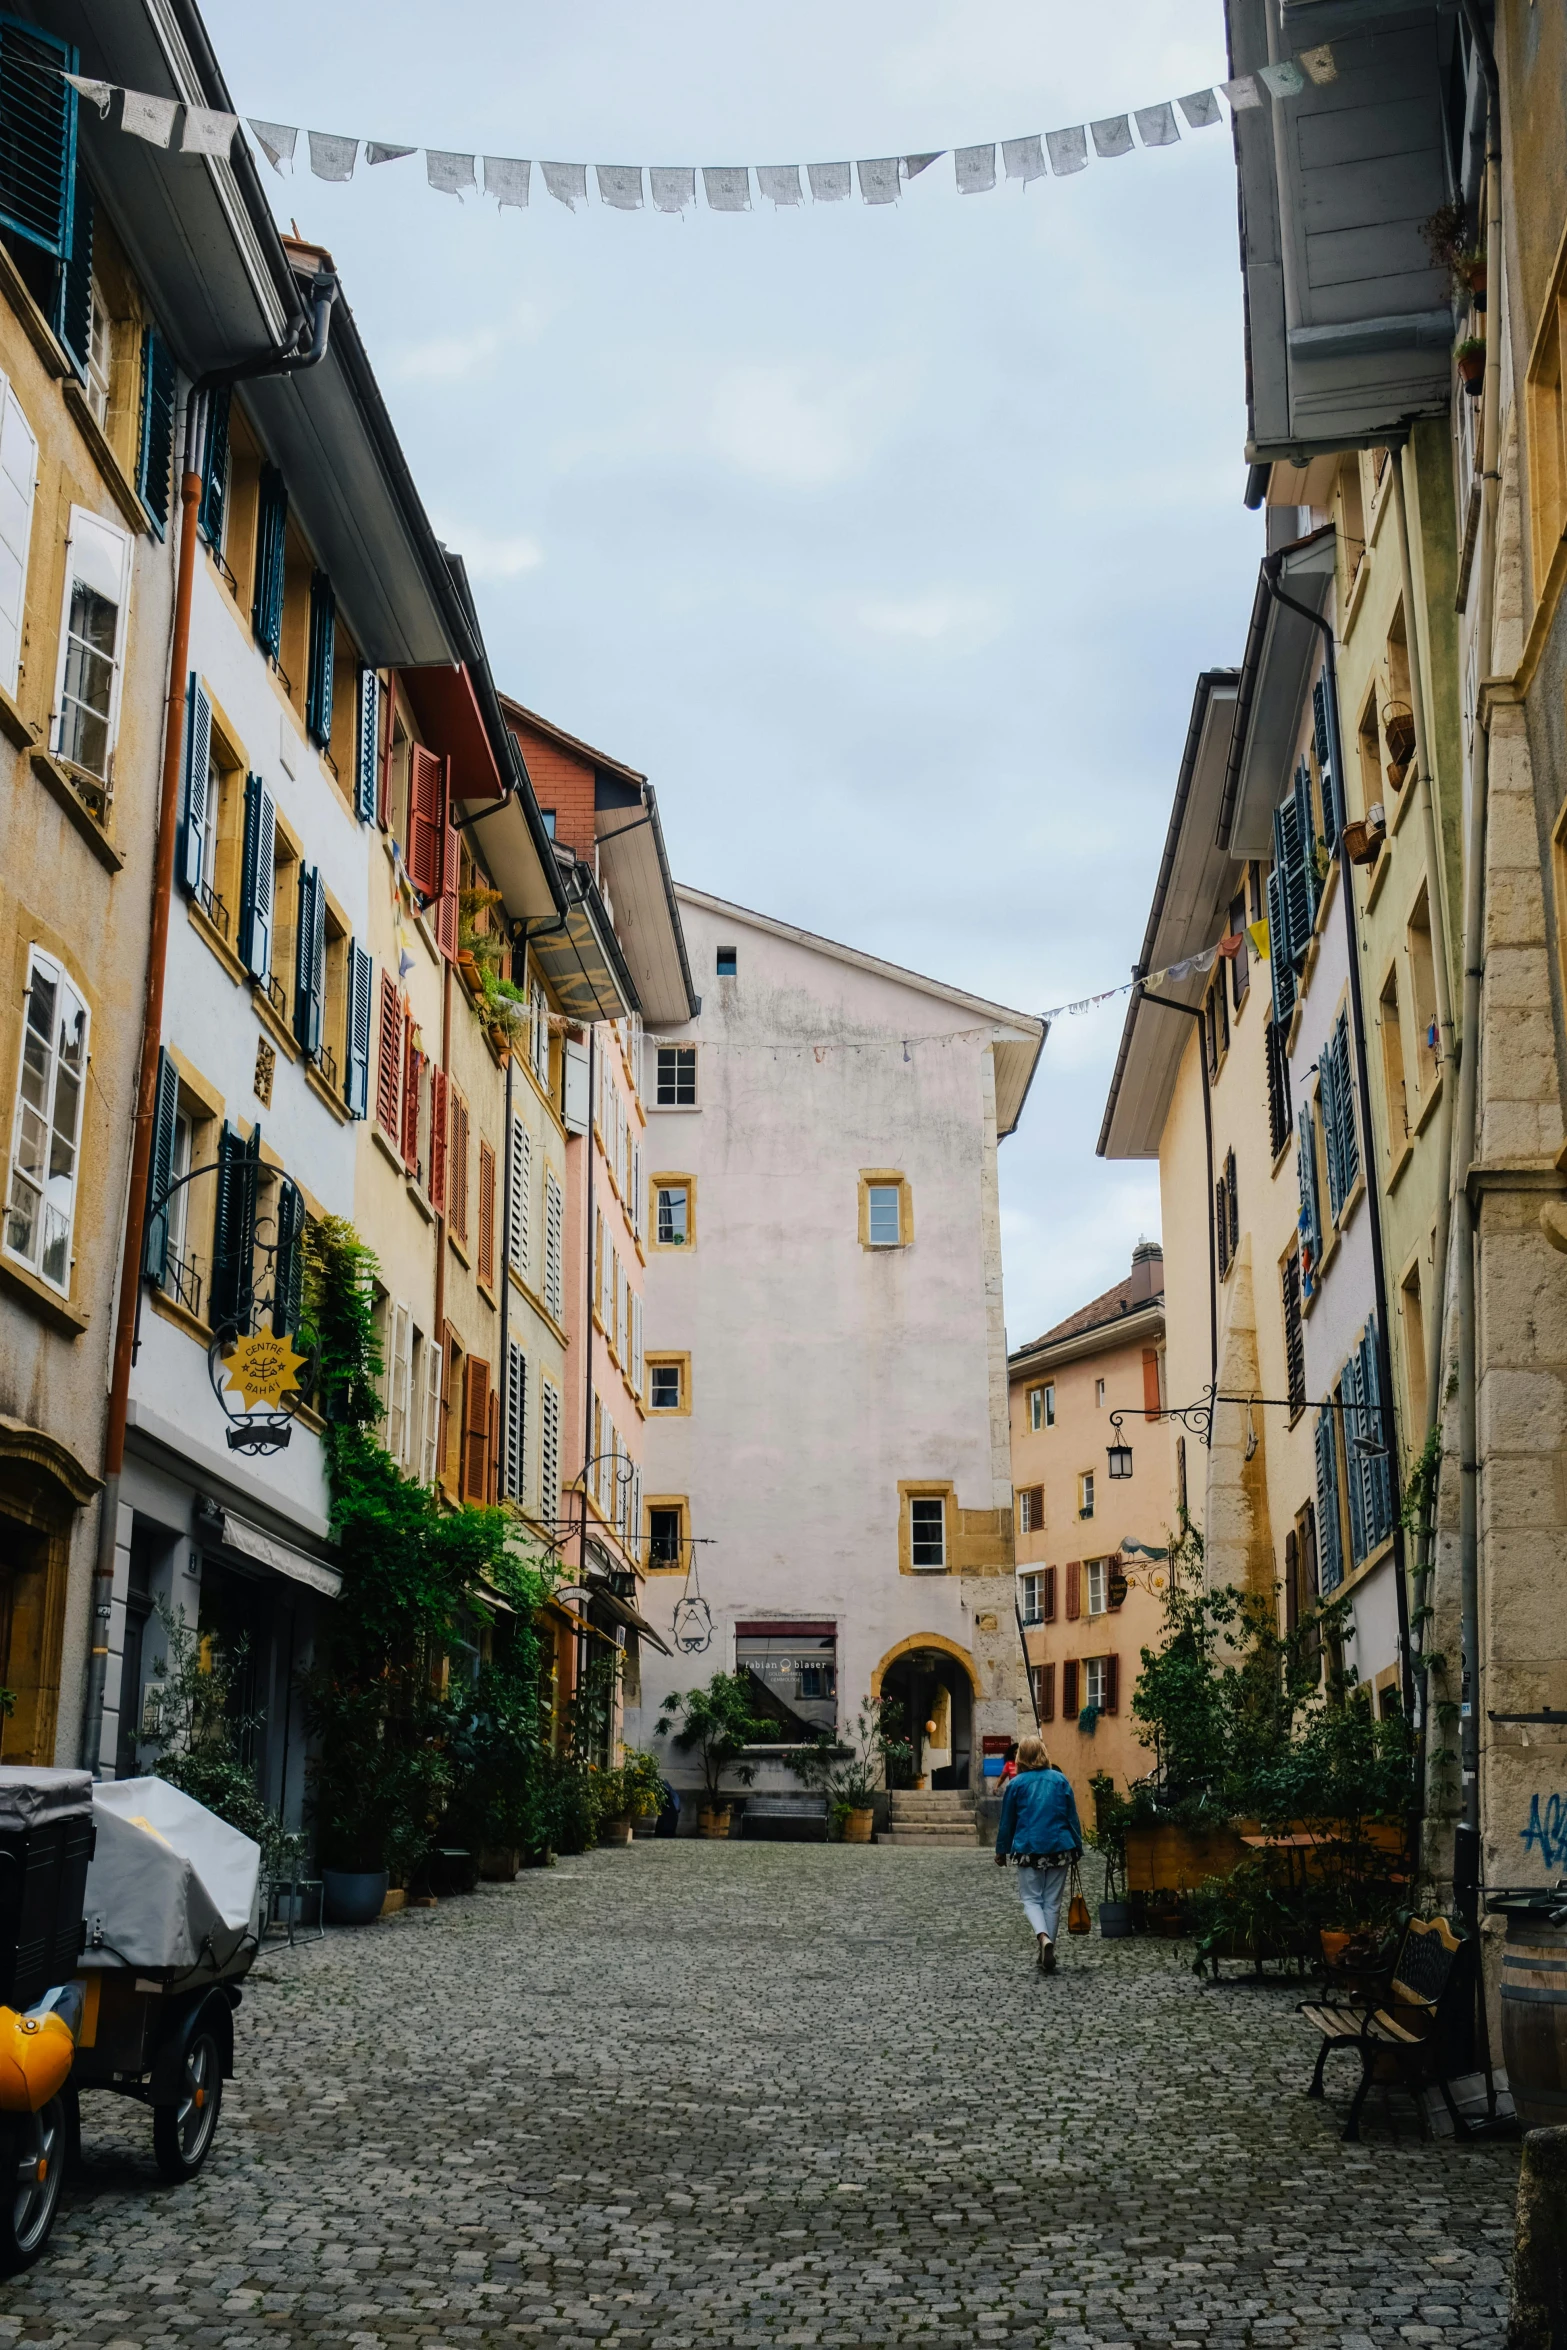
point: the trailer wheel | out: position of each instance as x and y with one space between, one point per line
32 2171
182 2133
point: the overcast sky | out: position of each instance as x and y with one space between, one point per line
888 542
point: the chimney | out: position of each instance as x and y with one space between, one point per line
1147 1272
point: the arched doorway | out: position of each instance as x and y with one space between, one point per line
930 1682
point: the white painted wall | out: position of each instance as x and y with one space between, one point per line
822 1373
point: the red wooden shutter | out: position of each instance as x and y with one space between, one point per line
492 1466
439 1091
1070 1708
1074 1589
457 1169
486 1215
1112 1684
1150 1383
389 1061
475 1428
451 872
413 1062
426 821
1048 1595
1047 1693
452 1386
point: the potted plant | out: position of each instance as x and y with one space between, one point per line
1470 355
1469 273
717 1725
1112 1814
848 1771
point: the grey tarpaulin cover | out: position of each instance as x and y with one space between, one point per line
171 1885
32 1798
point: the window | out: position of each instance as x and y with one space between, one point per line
1031 1510
1100 1679
1414 1346
677 1076
1099 1395
40 111
1278 1086
1340 1133
1240 966
1422 978
486 1263
886 1209
927 1532
666 1384
1032 1588
1044 1402
1227 1215
92 642
728 962
554 1223
18 479
514 1423
549 1451
1096 1576
212 513
1085 1494
320 660
1042 1681
666 1536
671 1212
155 451
519 1201
46 1128
1391 1028
539 1033
1294 1337
547 818
266 610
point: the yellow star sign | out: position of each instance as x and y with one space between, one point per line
263 1368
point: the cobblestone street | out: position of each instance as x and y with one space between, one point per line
705 2094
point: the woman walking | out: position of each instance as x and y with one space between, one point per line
1039 1831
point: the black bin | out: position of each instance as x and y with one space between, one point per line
46 1842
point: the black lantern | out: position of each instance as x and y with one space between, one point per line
1120 1460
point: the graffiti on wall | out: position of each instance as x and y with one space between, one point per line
1546 1831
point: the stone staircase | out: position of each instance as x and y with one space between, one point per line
937 1820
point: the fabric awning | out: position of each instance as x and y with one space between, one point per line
239 1534
624 1613
583 968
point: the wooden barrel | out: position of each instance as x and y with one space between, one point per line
1534 2018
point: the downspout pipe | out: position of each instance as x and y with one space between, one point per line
1195 1012
289 361
588 1453
1272 565
1467 1852
505 1363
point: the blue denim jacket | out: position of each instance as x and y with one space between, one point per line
1038 1814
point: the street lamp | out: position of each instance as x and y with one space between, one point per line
1120 1459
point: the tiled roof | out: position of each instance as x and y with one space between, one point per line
1106 1309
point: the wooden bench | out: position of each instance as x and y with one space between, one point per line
1402 2037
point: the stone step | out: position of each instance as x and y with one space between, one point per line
931 1839
945 1804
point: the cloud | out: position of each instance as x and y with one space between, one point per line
959 622
493 558
800 425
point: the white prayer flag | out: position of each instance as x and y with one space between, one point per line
96 93
830 182
1321 64
1243 91
674 186
976 170
1201 110
450 174
1023 159
1113 136
1068 150
277 141
567 183
148 118
727 187
377 151
506 179
780 182
207 132
880 180
1156 125
1285 81
913 165
331 157
620 184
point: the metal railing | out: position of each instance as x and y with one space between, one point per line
182 1282
214 907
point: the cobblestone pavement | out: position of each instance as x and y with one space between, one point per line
698 2094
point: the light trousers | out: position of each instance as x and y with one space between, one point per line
1042 1891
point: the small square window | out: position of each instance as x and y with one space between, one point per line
664 1387
728 962
1099 1395
1036 1407
885 1218
547 817
674 1215
677 1076
927 1531
665 1537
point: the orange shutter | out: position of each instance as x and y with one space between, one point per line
475 1429
1070 1708
389 1061
1150 1383
1112 1684
1048 1595
413 1061
486 1215
457 1170
451 874
492 1456
426 822
440 1111
1047 1692
1074 1589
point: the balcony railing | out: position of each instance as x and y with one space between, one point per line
277 996
182 1282
214 907
324 1060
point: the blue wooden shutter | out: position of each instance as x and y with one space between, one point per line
1327 1070
215 468
155 456
356 1081
1310 1215
1344 1088
266 609
367 748
1322 734
73 280
288 1266
198 761
1330 1548
310 961
1281 970
166 1102
1377 1427
234 1228
1351 1396
37 136
323 654
1303 913
255 904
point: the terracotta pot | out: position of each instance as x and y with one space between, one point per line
1471 373
616 1830
858 1826
1334 1945
713 1819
